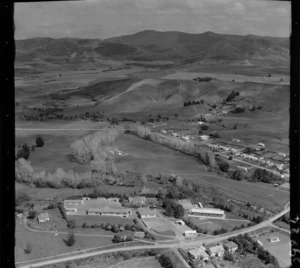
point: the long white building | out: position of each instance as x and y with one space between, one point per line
207 212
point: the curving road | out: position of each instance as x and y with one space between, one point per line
181 244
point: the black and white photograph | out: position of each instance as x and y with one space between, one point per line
152 134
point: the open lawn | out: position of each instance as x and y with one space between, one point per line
281 250
149 262
46 244
211 225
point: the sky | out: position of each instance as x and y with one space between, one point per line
108 18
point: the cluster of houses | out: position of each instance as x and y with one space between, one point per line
259 160
204 253
107 207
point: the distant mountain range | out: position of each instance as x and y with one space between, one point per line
153 45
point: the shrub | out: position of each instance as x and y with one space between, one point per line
32 214
27 250
39 141
71 224
70 241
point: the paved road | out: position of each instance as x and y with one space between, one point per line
182 244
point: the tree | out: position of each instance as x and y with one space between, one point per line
223 166
117 239
178 211
70 241
27 249
24 152
237 175
21 198
228 256
71 224
39 141
32 214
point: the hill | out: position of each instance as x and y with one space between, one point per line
153 45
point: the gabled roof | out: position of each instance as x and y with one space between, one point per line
230 245
146 212
216 249
198 252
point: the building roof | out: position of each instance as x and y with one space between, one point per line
198 252
230 245
186 203
94 204
107 210
147 212
216 249
207 210
137 199
43 216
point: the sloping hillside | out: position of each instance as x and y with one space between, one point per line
154 45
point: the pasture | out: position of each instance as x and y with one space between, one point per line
152 158
56 153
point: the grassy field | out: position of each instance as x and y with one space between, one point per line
211 225
56 153
46 244
149 262
280 250
160 226
152 158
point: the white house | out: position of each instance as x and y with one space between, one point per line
274 239
43 217
230 246
189 233
146 213
198 254
217 250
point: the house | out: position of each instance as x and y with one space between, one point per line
230 246
217 250
146 213
137 199
113 199
199 254
207 212
20 215
189 233
139 234
204 137
245 169
273 239
43 217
